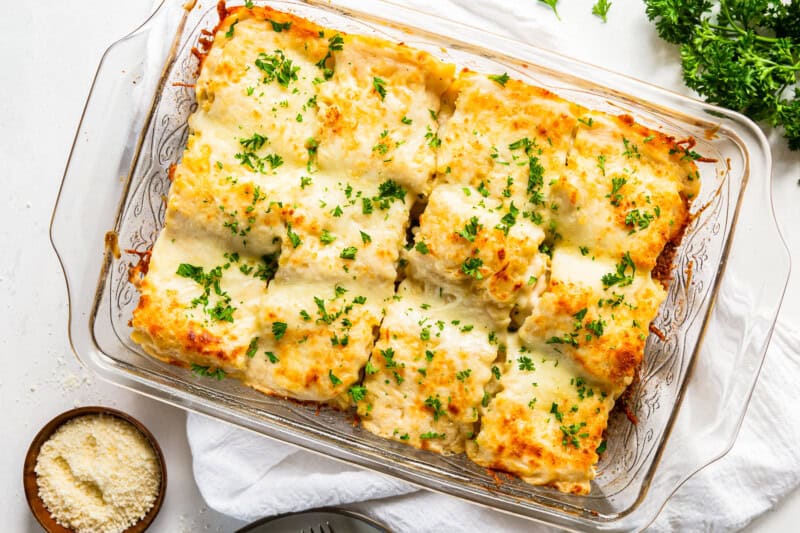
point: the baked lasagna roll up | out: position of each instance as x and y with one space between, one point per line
546 422
425 380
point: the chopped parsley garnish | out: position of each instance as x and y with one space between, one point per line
278 330
312 146
280 26
221 311
365 237
349 253
366 206
405 120
254 142
554 411
496 372
525 363
326 237
276 67
596 327
500 79
388 356
509 219
620 276
471 267
570 435
617 183
638 219
601 163
421 247
432 435
252 347
631 150
293 237
388 192
272 357
357 392
587 122
334 380
266 271
229 33
433 138
471 229
435 405
380 87
208 372
567 338
335 43
602 448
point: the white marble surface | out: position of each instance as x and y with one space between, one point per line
49 50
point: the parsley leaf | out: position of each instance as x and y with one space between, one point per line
357 393
471 229
471 267
620 276
380 87
500 79
349 252
252 347
279 330
280 26
601 9
552 4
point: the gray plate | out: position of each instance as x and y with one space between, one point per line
323 520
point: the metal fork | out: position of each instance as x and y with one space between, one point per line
322 528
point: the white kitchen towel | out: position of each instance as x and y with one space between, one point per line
248 476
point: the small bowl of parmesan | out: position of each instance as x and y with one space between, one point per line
94 469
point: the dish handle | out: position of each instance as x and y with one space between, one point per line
103 157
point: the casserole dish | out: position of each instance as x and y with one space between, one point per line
144 82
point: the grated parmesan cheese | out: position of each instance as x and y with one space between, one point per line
97 473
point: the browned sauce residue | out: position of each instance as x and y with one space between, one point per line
137 272
657 332
112 244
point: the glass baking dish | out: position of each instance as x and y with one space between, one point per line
695 383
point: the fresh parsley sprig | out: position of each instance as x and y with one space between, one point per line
552 4
740 54
601 9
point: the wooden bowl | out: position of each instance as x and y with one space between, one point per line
32 487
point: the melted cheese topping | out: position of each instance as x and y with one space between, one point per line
310 157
